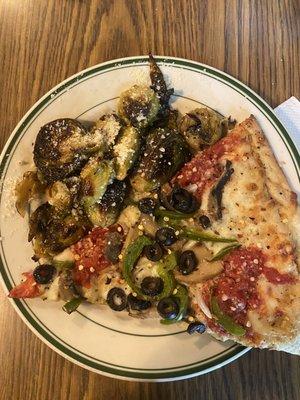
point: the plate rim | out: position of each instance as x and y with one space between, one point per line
234 352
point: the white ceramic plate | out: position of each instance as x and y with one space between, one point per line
95 337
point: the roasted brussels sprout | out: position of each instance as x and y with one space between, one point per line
59 195
62 147
95 177
53 231
109 126
27 189
203 127
138 106
107 210
165 152
126 151
159 86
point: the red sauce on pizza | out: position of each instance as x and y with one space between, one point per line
205 169
236 288
90 255
277 278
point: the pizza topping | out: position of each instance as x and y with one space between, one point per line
235 290
277 278
225 321
217 191
72 305
90 255
203 170
26 289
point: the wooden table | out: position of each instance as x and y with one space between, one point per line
43 42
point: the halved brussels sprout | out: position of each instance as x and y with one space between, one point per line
109 126
106 212
62 147
138 106
27 189
53 232
59 195
165 152
203 127
95 176
126 151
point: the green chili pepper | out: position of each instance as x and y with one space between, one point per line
182 298
225 321
72 305
132 254
164 269
220 254
172 214
200 236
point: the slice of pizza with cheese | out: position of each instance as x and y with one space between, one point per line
252 294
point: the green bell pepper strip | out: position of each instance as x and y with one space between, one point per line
172 214
220 254
182 297
133 253
201 236
72 305
225 321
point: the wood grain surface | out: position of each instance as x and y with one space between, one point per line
43 42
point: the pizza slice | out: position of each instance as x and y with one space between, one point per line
253 293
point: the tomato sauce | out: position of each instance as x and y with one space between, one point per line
204 169
90 255
236 287
277 278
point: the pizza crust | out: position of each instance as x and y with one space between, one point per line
277 183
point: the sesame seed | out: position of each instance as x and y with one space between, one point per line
177 233
119 229
252 279
140 227
175 291
194 169
76 257
248 324
120 256
255 261
169 251
224 297
155 196
191 319
92 269
134 294
166 219
80 267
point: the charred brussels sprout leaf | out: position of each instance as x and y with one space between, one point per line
62 147
95 176
126 151
59 195
138 106
54 231
159 86
27 189
165 153
106 212
203 127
